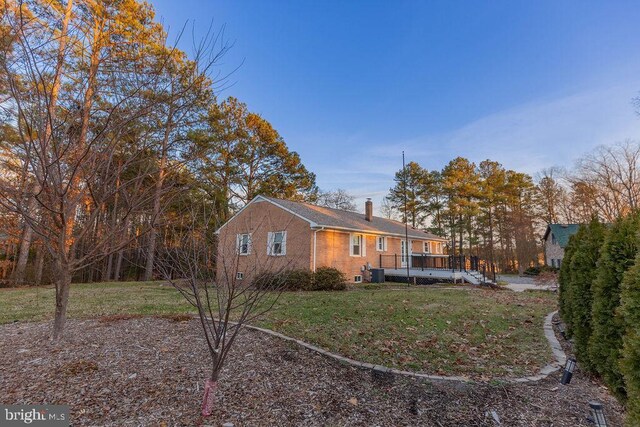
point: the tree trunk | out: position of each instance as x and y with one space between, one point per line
118 271
108 269
153 233
39 265
461 234
209 396
63 283
19 273
491 253
117 274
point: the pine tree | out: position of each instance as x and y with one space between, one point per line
239 155
617 255
492 184
460 184
412 184
583 269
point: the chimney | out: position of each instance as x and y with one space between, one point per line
368 210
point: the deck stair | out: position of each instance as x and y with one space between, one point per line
477 278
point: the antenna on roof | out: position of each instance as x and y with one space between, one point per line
406 218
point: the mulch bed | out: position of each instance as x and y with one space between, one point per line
122 371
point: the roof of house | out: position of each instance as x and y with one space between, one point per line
562 232
319 216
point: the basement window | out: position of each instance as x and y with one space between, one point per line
239 275
357 279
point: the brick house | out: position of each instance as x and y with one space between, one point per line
555 239
270 234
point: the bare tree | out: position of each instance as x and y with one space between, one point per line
337 199
183 92
78 97
611 176
387 210
550 194
227 299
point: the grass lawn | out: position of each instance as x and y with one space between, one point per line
449 331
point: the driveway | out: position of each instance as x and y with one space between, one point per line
521 284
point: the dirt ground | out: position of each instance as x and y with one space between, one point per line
150 371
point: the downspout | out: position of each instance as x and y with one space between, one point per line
315 232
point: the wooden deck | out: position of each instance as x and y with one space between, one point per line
470 277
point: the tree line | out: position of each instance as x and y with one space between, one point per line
484 210
108 131
500 214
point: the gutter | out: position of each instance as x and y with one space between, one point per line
315 232
380 233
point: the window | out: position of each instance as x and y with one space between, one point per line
239 275
357 247
427 247
357 279
244 244
553 239
553 262
439 248
277 243
381 243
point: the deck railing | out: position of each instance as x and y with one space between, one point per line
439 262
423 262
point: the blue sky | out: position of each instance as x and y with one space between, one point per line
350 84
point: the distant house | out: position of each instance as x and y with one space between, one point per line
555 239
270 234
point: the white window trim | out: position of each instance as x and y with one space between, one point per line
409 251
239 275
357 278
271 241
239 244
384 244
427 247
363 245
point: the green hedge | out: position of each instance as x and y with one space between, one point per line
600 303
583 268
630 363
324 279
617 256
329 279
564 282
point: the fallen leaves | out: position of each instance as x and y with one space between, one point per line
267 382
78 367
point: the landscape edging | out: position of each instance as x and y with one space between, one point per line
547 370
